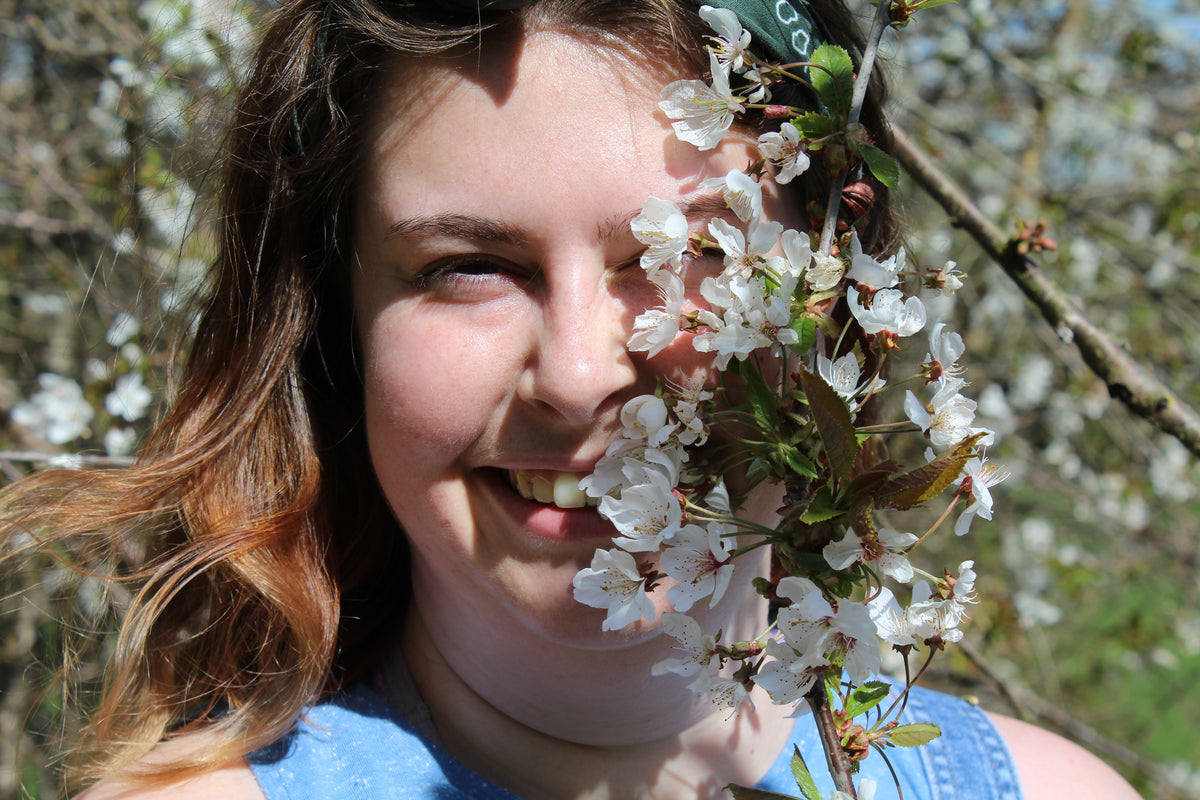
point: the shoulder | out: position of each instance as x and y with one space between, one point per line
233 781
1050 766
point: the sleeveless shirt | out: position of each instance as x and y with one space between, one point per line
354 746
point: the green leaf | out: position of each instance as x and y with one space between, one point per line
914 734
804 778
833 423
797 462
821 508
750 793
806 329
834 84
814 126
882 166
866 697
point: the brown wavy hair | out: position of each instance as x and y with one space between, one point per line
265 567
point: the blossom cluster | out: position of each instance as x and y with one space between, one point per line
62 412
768 315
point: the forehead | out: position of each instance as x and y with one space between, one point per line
548 112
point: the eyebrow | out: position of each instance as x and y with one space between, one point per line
465 226
456 226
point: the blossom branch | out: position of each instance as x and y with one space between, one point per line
1128 381
839 766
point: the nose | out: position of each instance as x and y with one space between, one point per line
580 367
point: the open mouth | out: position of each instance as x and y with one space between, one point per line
559 489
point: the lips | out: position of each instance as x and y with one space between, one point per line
544 520
548 487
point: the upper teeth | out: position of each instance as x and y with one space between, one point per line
557 488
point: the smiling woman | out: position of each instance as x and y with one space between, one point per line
364 517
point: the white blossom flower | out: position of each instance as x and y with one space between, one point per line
805 622
742 256
784 151
731 41
797 249
704 112
889 311
891 620
743 194
944 351
852 634
884 552
936 618
645 514
826 272
129 398
119 441
789 675
663 228
722 691
727 336
59 412
698 560
976 482
947 280
646 417
814 629
699 650
625 464
842 376
655 329
947 420
692 430
876 274
749 318
612 582
757 87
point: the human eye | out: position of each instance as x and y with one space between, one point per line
468 278
695 267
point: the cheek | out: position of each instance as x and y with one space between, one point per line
428 389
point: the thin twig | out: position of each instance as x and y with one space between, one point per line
1128 381
861 81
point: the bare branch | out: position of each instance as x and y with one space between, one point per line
1127 380
65 459
1031 707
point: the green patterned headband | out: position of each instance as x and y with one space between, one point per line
788 28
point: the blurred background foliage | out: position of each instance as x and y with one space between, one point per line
1083 113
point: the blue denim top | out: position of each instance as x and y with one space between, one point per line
355 747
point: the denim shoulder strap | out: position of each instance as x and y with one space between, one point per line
969 761
970 753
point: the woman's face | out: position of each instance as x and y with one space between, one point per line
496 287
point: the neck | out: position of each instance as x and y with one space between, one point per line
552 720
